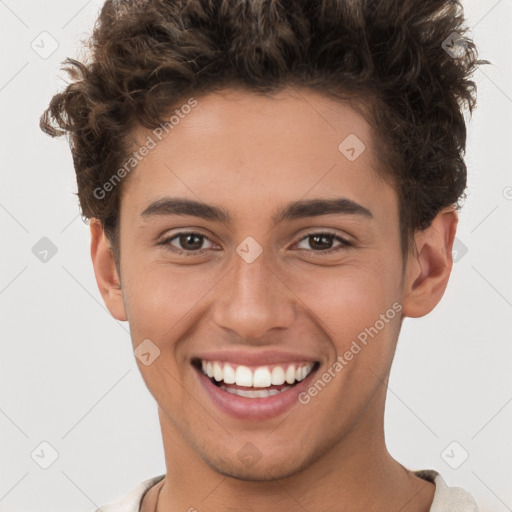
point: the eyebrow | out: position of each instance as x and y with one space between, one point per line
295 210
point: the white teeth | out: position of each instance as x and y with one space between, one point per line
260 377
258 393
290 374
229 374
303 372
278 376
218 374
243 376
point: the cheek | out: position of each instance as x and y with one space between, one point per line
347 300
159 297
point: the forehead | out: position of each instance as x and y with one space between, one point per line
253 150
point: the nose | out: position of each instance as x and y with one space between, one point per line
254 299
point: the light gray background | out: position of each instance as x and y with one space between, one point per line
68 373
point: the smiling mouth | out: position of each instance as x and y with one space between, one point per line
254 382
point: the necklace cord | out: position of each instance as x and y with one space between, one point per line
158 497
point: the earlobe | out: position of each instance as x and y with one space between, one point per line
107 277
429 267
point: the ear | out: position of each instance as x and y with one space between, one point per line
429 265
105 270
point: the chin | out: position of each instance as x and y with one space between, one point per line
263 469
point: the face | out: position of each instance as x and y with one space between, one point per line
260 246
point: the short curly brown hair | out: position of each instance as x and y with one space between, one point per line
410 63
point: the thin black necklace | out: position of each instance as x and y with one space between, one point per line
158 498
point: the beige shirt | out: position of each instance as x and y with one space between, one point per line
446 499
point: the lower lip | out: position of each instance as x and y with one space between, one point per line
253 409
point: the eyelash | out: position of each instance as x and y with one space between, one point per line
345 244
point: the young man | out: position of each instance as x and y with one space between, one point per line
272 188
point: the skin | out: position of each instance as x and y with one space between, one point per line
251 154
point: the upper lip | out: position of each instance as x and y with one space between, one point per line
256 358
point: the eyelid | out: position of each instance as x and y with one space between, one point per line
172 233
325 231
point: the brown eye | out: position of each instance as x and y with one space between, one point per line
189 243
318 242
